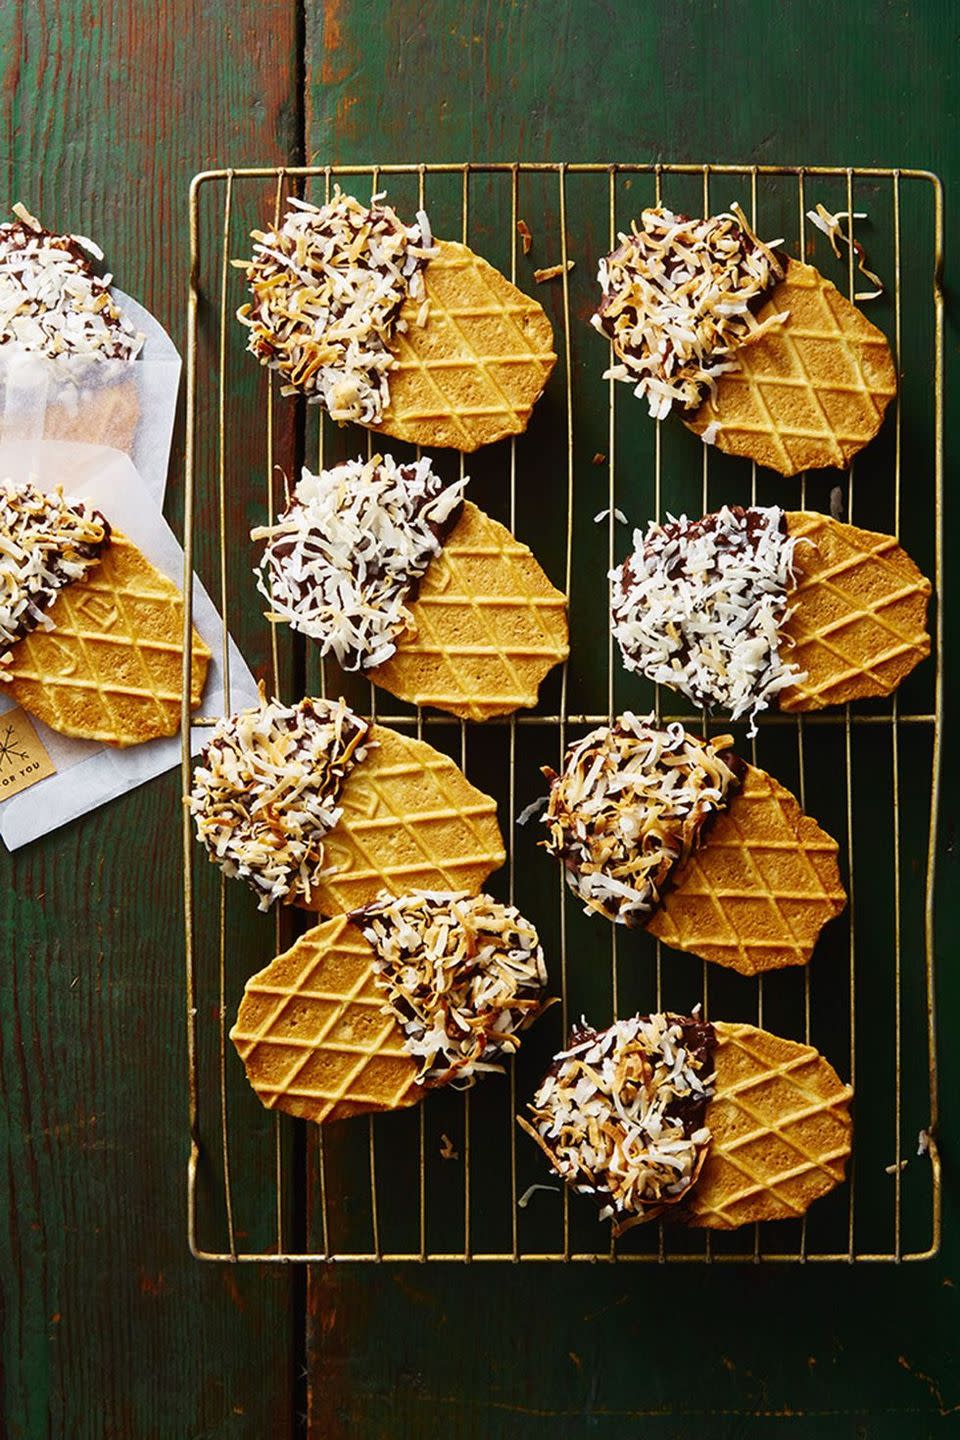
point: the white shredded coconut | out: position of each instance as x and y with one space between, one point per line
677 296
328 285
620 1114
630 805
341 559
53 303
47 540
535 808
699 604
462 974
832 227
265 792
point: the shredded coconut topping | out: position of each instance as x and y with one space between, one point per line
52 302
620 1114
328 285
631 804
463 975
265 792
677 298
699 604
343 558
833 227
46 540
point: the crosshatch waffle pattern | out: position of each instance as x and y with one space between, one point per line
780 1122
811 393
757 894
472 376
859 614
487 626
111 668
410 821
837 739
313 1036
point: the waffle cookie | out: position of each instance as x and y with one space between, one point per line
858 613
472 372
744 609
108 415
92 633
657 828
808 393
758 891
391 572
710 1125
366 1012
763 356
411 821
485 628
780 1127
313 1036
315 807
372 319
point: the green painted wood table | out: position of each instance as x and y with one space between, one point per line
109 1326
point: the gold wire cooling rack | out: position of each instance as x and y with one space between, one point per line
450 1180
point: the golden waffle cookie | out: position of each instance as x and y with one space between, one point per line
780 1131
760 888
110 669
411 821
311 1032
487 626
473 372
859 613
108 415
808 393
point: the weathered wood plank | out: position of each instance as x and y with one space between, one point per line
109 1327
546 1350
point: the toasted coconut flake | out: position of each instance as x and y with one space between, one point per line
678 297
328 285
526 238
552 272
699 604
53 303
342 559
265 792
620 1114
47 540
630 805
463 975
535 808
832 227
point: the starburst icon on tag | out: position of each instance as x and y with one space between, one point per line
11 747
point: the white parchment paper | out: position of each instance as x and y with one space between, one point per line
127 405
88 773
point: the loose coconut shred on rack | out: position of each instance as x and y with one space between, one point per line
462 974
47 540
52 302
342 559
620 1114
699 604
265 792
678 298
328 285
631 804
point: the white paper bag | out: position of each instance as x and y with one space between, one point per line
88 773
128 405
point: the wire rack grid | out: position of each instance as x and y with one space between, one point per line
452 1180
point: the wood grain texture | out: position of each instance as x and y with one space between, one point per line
109 1328
562 1352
